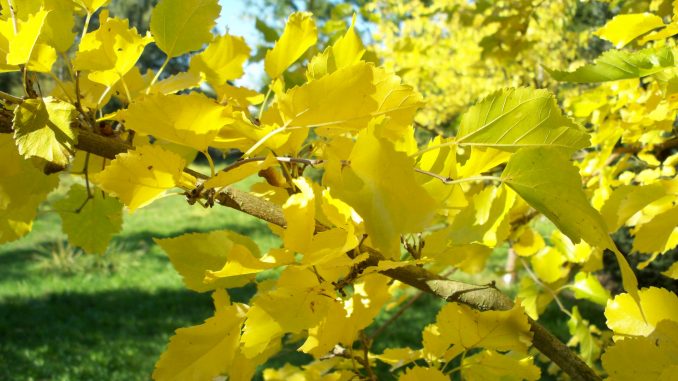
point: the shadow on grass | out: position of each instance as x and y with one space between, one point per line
116 335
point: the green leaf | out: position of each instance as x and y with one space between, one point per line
513 118
545 178
89 224
617 64
587 286
42 129
182 26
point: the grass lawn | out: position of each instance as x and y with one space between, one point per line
68 316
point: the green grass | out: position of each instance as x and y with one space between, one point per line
69 316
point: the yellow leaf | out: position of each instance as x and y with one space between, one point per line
195 256
225 178
463 329
623 29
92 5
582 334
624 316
42 128
190 119
659 235
222 60
548 264
204 351
533 298
59 24
22 188
418 373
489 212
672 271
299 211
89 223
645 358
300 34
6 35
381 187
626 200
491 366
182 26
346 51
297 302
175 83
28 46
139 177
111 51
348 98
528 243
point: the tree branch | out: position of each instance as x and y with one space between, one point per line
481 298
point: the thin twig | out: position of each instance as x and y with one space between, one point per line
544 286
366 354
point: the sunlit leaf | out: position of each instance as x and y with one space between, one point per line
300 34
624 316
623 29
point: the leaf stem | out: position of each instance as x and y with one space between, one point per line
450 181
157 75
263 104
210 161
431 148
86 26
10 98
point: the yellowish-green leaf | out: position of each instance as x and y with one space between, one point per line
533 298
659 235
418 373
623 29
189 119
488 210
139 177
182 26
582 334
384 192
222 60
545 178
300 34
348 98
28 46
587 286
204 351
111 51
513 118
645 358
232 176
22 188
619 64
42 128
195 255
175 83
89 223
624 316
491 366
